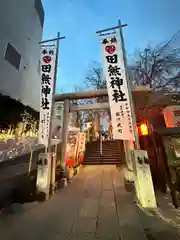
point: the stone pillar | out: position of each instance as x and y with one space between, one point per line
43 176
96 124
143 181
128 170
64 136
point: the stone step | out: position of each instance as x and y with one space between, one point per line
97 148
101 163
104 160
103 154
106 149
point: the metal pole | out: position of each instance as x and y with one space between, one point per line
129 84
52 40
101 144
57 59
65 133
54 88
109 29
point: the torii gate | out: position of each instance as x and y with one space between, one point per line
66 97
147 190
144 187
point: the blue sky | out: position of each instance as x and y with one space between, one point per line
148 21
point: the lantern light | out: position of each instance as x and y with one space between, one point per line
143 128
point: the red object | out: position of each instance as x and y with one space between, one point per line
70 162
110 49
81 159
47 59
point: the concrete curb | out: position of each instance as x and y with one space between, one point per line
169 221
158 213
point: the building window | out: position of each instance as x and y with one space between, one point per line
40 11
12 56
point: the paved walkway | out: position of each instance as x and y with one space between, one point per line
94 206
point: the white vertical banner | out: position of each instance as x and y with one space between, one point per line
48 57
59 112
72 119
57 118
118 93
82 142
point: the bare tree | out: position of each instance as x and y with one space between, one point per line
159 66
94 78
82 116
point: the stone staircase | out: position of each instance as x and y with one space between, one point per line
112 152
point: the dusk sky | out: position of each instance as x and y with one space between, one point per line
148 21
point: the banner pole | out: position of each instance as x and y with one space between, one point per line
54 89
129 85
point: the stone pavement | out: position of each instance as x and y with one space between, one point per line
166 209
94 206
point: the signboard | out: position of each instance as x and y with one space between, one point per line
59 111
72 143
81 142
48 56
72 119
57 118
119 101
172 116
